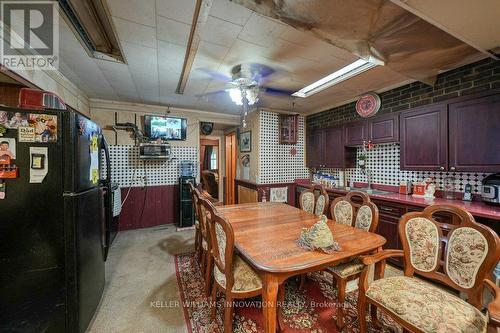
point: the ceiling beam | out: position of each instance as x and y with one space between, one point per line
200 16
402 4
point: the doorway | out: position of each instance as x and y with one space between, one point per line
231 146
210 166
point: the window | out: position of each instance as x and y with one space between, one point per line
213 159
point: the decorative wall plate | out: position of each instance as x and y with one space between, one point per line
368 105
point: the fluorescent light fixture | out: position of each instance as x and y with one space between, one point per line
357 67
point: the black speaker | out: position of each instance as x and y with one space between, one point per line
186 209
206 128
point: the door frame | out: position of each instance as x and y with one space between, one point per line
219 161
231 155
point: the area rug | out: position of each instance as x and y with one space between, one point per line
311 309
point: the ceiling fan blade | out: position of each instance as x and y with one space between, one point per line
214 75
212 93
277 91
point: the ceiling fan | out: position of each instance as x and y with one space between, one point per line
246 83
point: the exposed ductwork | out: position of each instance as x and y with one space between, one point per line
91 21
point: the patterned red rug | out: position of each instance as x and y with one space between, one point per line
309 310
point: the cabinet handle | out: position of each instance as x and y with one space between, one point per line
452 168
441 168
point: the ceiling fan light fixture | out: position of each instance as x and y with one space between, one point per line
236 96
356 68
252 95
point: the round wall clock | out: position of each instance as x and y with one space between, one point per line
368 105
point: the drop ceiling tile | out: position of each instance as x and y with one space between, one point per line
140 58
173 31
170 57
209 56
220 32
140 34
119 78
229 11
168 82
181 11
138 11
261 30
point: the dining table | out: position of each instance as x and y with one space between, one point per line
266 235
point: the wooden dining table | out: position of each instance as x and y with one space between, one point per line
266 238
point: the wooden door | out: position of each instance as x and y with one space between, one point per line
356 133
474 135
315 147
230 143
424 138
384 129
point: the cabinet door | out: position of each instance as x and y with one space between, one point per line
474 133
356 133
424 138
384 129
334 147
315 143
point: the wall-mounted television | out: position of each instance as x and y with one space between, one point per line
165 128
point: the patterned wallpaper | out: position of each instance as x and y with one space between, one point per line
277 165
383 161
127 169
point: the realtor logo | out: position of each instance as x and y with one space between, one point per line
30 35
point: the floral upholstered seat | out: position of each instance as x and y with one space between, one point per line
245 278
460 255
204 245
314 200
347 269
425 306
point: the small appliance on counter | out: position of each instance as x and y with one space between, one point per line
491 189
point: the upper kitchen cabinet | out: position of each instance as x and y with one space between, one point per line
424 138
315 146
381 129
336 154
384 129
474 135
325 149
356 133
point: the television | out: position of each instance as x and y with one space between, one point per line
165 128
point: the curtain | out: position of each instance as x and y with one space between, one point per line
206 158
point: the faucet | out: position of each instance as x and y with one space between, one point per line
368 174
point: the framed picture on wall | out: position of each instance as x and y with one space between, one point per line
288 129
246 142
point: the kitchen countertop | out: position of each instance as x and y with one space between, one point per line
476 208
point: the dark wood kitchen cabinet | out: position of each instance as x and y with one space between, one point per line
325 149
356 133
315 146
381 129
384 129
424 138
474 135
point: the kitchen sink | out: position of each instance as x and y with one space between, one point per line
361 189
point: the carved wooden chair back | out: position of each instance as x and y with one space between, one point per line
459 255
314 200
203 217
360 213
222 236
195 195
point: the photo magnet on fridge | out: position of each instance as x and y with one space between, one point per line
45 127
7 150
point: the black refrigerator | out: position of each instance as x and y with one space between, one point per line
53 227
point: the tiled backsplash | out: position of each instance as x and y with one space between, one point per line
276 163
383 162
128 170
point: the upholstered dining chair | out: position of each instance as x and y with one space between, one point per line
313 203
206 262
196 208
232 275
460 255
361 214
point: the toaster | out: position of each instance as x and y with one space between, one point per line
491 189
